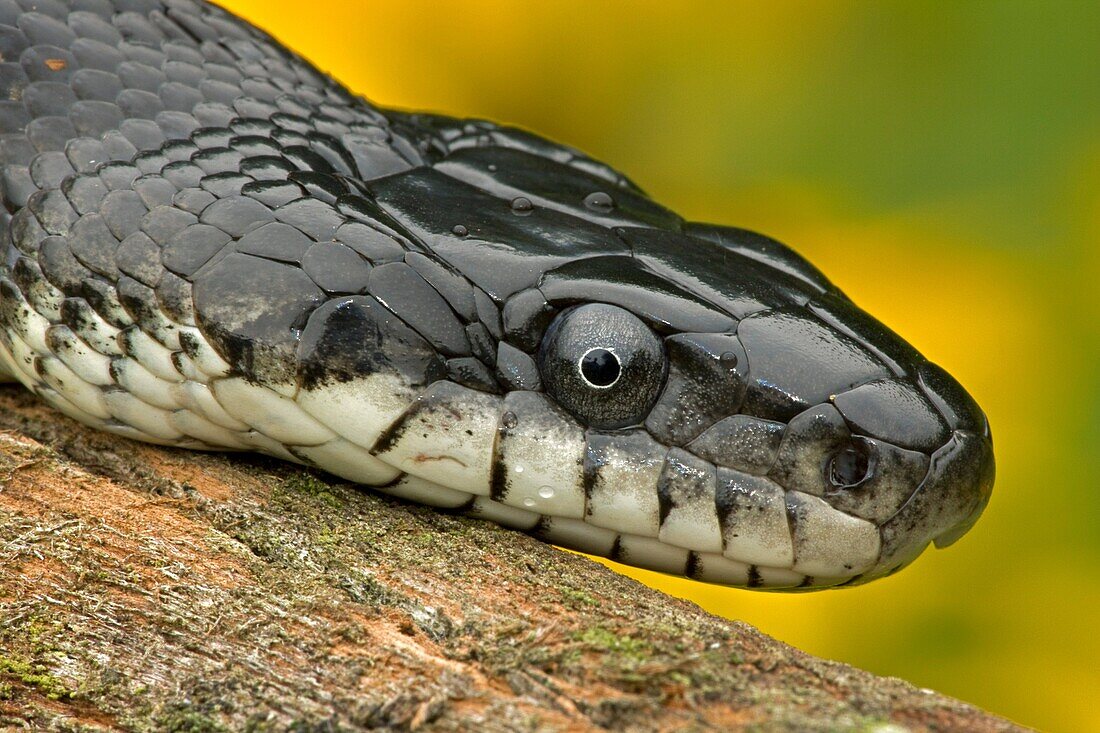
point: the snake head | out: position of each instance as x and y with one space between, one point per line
687 398
800 437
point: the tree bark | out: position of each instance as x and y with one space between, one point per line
144 588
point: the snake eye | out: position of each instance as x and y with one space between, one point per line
602 364
851 465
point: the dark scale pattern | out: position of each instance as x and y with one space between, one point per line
438 136
186 202
40 294
170 86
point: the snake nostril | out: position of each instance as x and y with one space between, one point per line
850 466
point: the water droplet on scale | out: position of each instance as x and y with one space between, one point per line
528 501
546 492
728 359
492 167
522 206
600 202
460 230
519 469
509 420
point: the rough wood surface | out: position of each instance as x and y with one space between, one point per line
152 589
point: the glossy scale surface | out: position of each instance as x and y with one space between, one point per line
210 244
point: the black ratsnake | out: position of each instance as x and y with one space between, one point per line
209 244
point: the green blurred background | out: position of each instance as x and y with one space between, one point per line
940 161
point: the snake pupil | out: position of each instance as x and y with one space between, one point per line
600 367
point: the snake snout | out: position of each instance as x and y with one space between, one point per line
959 481
982 468
968 479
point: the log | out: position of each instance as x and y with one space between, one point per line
145 588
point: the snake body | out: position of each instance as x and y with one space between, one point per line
210 244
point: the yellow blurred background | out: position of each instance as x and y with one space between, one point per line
940 161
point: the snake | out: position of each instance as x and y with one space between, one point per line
210 244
